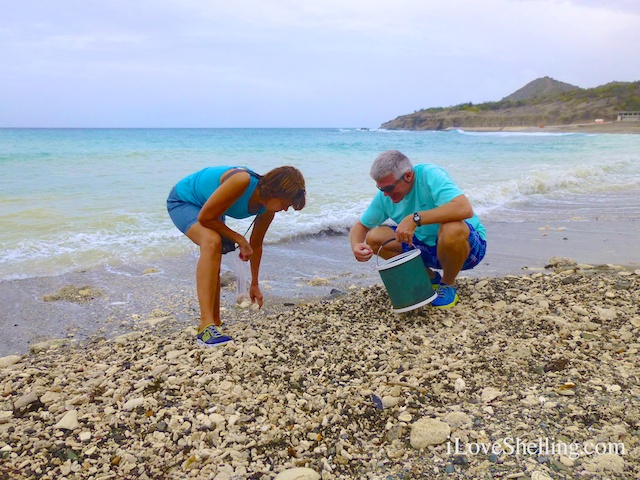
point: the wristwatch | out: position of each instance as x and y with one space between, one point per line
416 218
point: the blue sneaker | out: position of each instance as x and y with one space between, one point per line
437 280
447 296
212 336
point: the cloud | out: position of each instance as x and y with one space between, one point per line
291 63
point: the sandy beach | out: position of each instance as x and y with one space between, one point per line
103 381
593 128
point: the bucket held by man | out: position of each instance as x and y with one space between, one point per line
407 282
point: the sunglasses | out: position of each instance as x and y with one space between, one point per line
390 188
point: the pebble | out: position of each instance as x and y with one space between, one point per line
405 417
69 421
298 474
428 431
26 400
9 360
489 394
537 475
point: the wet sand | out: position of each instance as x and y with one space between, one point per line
292 273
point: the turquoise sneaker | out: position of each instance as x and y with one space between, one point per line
212 336
447 296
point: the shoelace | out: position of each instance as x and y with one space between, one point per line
443 289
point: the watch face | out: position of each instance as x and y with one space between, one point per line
416 218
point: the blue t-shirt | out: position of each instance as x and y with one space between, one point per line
198 187
432 188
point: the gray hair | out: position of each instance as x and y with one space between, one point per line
390 162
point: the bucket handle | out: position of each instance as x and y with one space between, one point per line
382 245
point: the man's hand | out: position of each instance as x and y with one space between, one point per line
405 230
362 252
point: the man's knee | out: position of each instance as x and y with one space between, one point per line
379 235
453 234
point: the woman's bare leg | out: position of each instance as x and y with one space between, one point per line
207 273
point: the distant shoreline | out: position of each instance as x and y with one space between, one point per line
609 127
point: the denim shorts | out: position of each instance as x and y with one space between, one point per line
183 214
429 253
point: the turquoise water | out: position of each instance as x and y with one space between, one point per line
80 198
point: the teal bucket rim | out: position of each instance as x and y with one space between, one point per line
398 259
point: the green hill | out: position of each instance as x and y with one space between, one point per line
544 101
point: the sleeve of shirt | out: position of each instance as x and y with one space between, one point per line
374 215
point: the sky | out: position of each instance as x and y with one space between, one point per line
295 63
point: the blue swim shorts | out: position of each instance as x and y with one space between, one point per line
429 253
183 214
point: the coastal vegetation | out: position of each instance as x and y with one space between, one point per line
544 101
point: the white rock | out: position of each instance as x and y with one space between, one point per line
43 346
607 462
123 339
389 401
566 461
25 400
84 436
580 310
457 420
405 417
217 420
489 393
459 385
133 403
428 431
153 321
540 476
69 421
9 360
299 473
256 350
175 354
50 397
606 313
499 305
5 416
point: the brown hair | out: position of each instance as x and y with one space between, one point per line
284 182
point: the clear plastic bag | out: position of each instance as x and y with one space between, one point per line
243 275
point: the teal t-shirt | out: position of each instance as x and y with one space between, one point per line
198 187
432 188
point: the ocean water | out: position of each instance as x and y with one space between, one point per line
75 199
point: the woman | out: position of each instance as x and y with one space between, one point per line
198 205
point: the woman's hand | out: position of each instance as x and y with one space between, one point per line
245 251
256 295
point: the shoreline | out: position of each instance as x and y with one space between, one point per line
296 272
593 128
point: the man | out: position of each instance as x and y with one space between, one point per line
431 213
